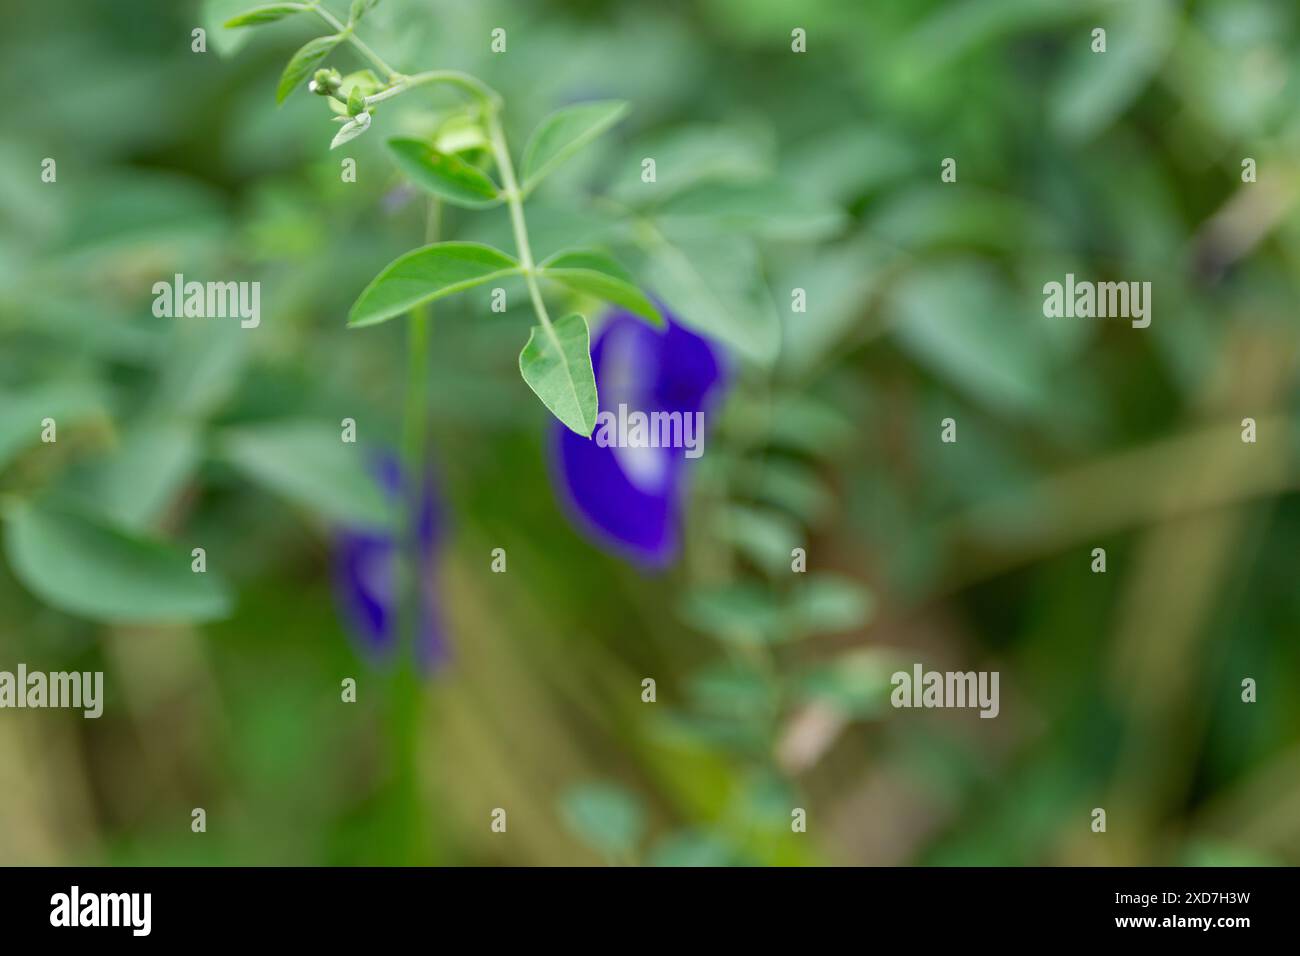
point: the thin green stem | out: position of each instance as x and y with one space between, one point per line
489 97
406 700
345 30
414 437
515 202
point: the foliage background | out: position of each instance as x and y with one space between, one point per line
1119 690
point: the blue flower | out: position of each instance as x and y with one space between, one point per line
629 499
365 571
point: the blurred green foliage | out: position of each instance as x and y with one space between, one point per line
776 171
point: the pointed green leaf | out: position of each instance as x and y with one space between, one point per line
565 132
88 568
595 273
303 62
446 176
351 130
268 13
557 366
426 274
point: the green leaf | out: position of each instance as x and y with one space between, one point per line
1095 88
765 537
688 155
21 413
828 603
351 130
429 273
87 568
359 9
557 366
308 463
265 14
732 691
595 273
958 318
133 485
446 176
692 848
363 83
302 63
855 684
806 423
565 132
607 818
789 485
773 209
717 289
735 613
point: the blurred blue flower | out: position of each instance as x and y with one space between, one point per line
629 499
365 572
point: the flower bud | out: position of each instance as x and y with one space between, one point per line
325 82
356 101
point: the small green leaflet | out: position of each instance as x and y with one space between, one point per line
764 536
828 603
446 176
303 62
735 613
359 9
744 613
565 132
558 368
426 274
595 273
607 818
351 130
265 14
85 567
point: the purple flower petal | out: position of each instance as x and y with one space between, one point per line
629 499
365 566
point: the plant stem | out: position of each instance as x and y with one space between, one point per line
406 691
476 88
346 31
515 202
